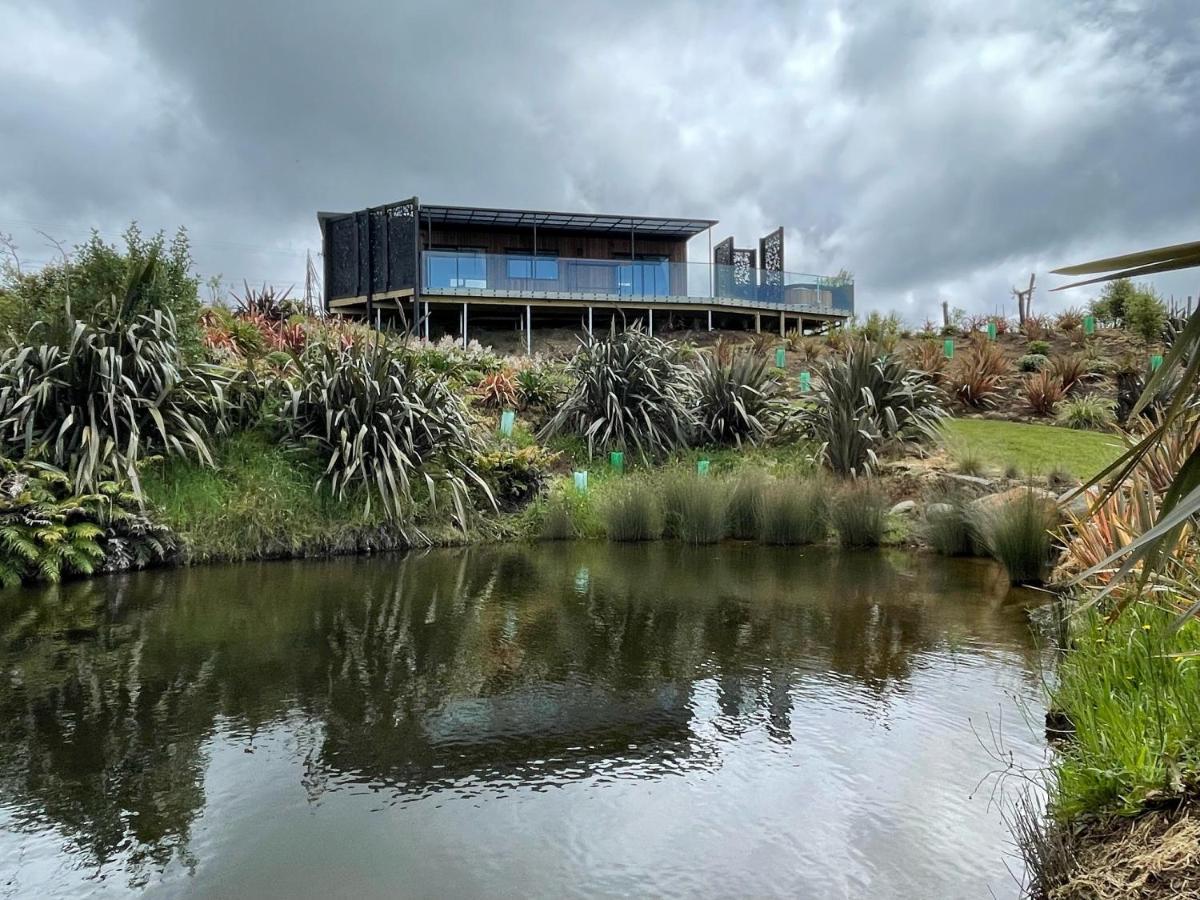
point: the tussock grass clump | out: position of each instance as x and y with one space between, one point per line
795 511
967 461
557 522
631 513
694 508
948 527
859 514
1088 412
744 515
1017 533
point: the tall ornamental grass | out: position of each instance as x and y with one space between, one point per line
630 512
859 514
694 508
1017 533
795 511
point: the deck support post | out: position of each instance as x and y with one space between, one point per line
428 317
710 320
528 330
589 321
651 321
758 323
782 323
464 324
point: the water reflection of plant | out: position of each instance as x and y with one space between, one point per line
450 658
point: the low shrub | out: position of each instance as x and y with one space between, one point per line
1070 369
794 511
858 513
694 508
1145 314
536 386
1038 347
1017 533
1032 362
1069 320
978 375
514 475
48 531
630 512
1088 412
498 390
1043 391
746 498
928 357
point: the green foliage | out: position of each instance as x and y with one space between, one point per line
1017 533
537 386
380 422
558 522
117 390
1032 362
746 499
1131 691
948 527
1110 305
1145 314
631 512
1090 411
737 401
864 402
694 508
1038 348
514 475
86 282
258 502
630 393
47 531
859 514
498 390
794 511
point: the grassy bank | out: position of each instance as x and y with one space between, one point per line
1034 449
258 501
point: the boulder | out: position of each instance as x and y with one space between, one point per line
904 508
993 502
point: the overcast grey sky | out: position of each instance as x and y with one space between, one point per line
939 149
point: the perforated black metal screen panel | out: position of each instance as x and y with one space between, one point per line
372 251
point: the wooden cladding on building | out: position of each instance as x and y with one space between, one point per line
568 244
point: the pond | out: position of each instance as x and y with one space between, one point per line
557 720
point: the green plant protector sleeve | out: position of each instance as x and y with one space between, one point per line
508 418
702 467
779 357
806 381
616 461
1155 361
948 348
991 331
1089 324
581 481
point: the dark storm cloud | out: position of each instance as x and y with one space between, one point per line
938 149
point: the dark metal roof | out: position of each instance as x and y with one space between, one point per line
560 221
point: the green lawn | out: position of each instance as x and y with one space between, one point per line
1035 449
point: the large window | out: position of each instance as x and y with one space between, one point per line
455 269
646 276
542 268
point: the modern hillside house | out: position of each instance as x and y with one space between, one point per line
450 269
